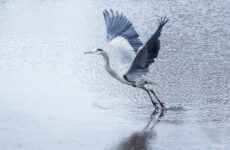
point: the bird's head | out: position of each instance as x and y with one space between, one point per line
96 52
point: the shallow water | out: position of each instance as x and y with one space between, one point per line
54 98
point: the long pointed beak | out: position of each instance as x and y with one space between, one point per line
88 52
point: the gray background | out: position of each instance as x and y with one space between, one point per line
53 97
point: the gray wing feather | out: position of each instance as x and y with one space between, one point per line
145 57
118 25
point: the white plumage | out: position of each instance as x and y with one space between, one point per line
121 53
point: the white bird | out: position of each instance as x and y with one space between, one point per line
135 58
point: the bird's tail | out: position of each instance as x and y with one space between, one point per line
151 82
148 81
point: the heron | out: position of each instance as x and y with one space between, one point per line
134 56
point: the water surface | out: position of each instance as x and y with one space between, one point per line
55 98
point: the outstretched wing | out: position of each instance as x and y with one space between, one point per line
145 57
118 25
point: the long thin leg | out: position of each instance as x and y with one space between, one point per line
161 103
154 103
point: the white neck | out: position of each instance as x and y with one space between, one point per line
111 71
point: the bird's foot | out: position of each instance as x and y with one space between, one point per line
155 105
163 106
155 112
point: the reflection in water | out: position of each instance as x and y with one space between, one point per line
140 140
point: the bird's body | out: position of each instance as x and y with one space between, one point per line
117 75
134 58
120 76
